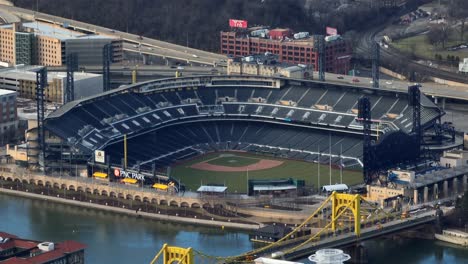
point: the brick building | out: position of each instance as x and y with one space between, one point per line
15 250
281 42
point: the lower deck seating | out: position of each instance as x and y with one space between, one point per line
171 144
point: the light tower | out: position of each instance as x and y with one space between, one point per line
329 256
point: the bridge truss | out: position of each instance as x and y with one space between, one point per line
342 213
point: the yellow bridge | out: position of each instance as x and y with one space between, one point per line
348 212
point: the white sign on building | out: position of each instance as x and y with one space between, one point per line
463 66
100 156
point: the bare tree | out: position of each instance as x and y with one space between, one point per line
458 10
438 35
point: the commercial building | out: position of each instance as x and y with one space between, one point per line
8 116
15 250
49 45
267 65
424 185
15 46
454 158
299 48
23 80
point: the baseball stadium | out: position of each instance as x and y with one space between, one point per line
226 130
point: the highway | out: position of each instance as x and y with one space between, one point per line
120 73
172 51
160 48
430 89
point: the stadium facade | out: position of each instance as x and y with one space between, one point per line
170 120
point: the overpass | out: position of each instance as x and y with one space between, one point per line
161 48
431 89
151 72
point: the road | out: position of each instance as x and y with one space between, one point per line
392 57
342 239
7 18
160 48
431 89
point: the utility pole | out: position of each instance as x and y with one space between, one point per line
318 167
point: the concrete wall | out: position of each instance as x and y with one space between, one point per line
18 154
92 85
89 50
392 73
449 83
378 194
100 187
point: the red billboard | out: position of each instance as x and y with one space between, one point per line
238 23
332 31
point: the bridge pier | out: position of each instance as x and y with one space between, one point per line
445 189
455 186
465 183
415 196
426 194
436 191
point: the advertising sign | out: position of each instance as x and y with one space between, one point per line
119 173
332 31
99 156
238 23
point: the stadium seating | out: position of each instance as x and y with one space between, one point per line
194 118
178 142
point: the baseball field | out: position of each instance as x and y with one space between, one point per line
234 168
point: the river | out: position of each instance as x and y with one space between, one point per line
113 238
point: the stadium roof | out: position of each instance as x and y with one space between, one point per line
212 189
335 187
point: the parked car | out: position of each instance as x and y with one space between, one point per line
340 77
355 80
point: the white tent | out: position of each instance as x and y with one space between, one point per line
335 187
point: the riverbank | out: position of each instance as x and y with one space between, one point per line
161 217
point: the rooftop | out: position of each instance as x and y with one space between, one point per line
6 92
54 31
212 189
28 73
27 247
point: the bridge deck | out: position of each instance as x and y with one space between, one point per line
350 238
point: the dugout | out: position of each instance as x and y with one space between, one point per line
279 187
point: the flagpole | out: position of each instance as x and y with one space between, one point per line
341 163
247 180
318 167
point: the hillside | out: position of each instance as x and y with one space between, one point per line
197 23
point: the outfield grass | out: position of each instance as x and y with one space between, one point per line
423 49
233 161
237 181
